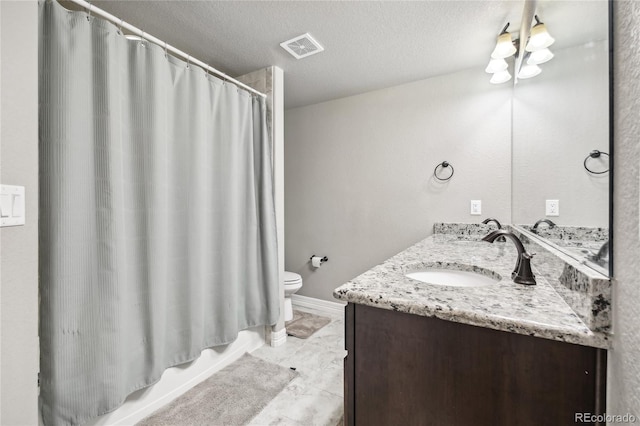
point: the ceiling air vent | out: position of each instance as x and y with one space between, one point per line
302 46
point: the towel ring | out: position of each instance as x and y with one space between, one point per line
443 165
594 154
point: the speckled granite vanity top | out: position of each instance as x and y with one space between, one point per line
531 310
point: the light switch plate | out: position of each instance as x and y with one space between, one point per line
476 207
553 208
12 205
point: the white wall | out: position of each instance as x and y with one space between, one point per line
559 117
358 171
624 359
19 351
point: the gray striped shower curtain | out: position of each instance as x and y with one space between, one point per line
157 221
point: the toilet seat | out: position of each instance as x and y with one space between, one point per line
291 278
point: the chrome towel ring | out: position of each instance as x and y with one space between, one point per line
594 154
442 166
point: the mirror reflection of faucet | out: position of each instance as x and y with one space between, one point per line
602 257
489 220
534 229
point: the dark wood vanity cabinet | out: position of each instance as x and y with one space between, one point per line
404 369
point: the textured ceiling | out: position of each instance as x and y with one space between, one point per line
368 44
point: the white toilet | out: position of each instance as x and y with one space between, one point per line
292 283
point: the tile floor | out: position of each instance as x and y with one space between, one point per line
315 396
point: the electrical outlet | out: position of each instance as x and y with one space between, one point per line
553 208
476 207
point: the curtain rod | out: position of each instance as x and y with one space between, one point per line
190 59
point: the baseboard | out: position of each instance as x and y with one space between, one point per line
318 304
278 338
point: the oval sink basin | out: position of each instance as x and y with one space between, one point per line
451 277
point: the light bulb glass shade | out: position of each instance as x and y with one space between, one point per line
504 47
529 71
500 77
539 38
540 57
496 65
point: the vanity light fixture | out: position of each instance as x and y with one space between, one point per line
500 77
504 46
498 66
532 54
528 71
539 57
539 38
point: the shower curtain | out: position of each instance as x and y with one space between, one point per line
157 221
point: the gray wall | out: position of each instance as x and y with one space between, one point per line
624 359
19 256
558 118
358 171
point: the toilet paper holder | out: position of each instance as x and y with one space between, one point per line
324 259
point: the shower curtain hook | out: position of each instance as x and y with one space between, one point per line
120 27
142 39
89 15
166 55
188 59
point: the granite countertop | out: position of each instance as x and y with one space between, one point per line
531 310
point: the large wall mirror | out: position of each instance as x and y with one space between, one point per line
561 129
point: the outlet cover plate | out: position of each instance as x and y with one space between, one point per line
476 207
553 208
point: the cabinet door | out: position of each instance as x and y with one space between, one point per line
414 370
349 378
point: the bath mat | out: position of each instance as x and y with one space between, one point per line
305 324
232 396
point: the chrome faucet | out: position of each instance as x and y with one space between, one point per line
534 229
522 274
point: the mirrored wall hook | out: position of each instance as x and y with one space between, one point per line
439 168
594 154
